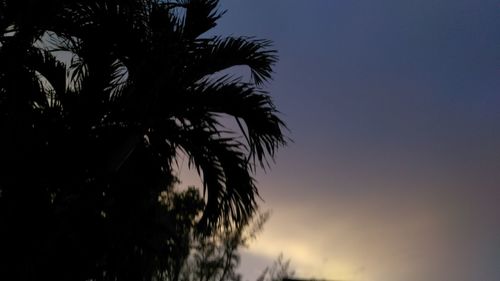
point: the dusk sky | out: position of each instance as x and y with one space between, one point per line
394 109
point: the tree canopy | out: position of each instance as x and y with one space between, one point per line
89 143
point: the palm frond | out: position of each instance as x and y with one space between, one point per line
264 129
119 80
53 70
220 161
201 16
221 53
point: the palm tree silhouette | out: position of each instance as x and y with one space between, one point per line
88 145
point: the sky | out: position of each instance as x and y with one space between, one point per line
394 110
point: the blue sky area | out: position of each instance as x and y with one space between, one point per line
394 109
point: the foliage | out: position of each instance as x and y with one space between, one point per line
216 258
89 145
279 271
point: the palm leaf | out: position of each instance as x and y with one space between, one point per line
218 54
201 16
264 129
221 163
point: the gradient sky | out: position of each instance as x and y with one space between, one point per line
394 109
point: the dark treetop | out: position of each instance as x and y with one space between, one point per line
88 146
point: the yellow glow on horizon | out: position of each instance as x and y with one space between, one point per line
364 244
305 261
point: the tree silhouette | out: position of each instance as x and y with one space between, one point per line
216 257
279 271
88 146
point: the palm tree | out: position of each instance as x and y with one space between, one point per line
89 145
